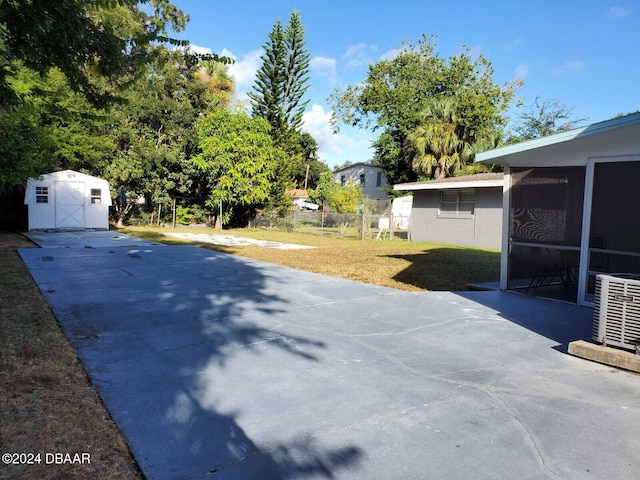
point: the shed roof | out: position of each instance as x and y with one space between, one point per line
66 175
479 180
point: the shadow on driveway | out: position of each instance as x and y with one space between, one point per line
222 367
161 331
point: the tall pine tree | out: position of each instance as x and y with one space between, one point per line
283 78
296 72
281 83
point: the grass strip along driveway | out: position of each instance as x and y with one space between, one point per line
47 404
412 266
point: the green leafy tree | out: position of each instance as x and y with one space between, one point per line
49 127
339 198
155 135
108 39
542 118
240 160
396 94
303 166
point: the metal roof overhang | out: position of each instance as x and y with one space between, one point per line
616 137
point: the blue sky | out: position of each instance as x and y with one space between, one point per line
584 53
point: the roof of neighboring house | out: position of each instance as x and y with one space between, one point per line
358 164
298 193
502 154
479 180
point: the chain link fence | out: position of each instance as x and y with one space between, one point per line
350 225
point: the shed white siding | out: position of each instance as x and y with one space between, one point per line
67 200
482 229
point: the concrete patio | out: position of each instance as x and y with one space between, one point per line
221 367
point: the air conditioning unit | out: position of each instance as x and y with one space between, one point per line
616 313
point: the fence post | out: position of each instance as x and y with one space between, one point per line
364 209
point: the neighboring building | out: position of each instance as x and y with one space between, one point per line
571 209
68 200
299 197
369 176
464 211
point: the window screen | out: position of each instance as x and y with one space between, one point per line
457 202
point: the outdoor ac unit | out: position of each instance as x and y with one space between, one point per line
616 313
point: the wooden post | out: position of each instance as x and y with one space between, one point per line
220 216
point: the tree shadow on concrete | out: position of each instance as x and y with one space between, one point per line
186 348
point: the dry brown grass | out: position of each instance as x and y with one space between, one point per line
47 403
412 266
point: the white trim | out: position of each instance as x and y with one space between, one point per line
449 185
504 252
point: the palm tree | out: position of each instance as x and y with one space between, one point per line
439 142
217 79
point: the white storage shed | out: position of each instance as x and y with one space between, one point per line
68 200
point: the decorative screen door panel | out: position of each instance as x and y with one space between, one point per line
69 204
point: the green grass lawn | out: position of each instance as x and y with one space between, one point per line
399 264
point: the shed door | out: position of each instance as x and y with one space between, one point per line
69 204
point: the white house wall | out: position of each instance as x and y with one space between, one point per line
370 172
482 230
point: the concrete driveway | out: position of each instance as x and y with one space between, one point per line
220 367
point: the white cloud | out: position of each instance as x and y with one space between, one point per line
199 50
244 69
569 66
522 71
324 65
360 55
317 122
618 13
334 148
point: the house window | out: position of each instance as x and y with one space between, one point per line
457 203
342 180
42 194
362 179
96 195
379 179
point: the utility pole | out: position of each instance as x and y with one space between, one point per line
306 177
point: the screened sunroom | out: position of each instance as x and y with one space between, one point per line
571 209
